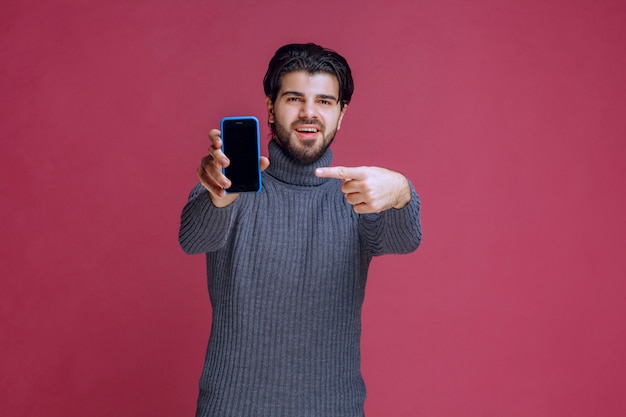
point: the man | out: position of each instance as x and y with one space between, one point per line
287 267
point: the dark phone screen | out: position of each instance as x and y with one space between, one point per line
241 147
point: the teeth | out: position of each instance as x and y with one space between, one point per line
308 129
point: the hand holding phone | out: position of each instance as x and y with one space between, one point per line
211 171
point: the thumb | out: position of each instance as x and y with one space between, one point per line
264 162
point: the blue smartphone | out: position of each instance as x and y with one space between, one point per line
241 144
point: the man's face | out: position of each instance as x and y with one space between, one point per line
306 114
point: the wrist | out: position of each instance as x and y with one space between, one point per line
404 197
224 201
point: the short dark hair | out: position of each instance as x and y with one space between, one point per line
311 58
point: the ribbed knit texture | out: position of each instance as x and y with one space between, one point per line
286 273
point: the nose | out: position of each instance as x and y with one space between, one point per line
307 110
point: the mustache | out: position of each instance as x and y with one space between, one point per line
308 122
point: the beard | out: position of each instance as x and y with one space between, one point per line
303 153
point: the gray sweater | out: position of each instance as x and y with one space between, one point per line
286 274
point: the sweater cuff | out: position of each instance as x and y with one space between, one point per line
204 227
405 224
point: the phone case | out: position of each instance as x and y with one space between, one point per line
234 171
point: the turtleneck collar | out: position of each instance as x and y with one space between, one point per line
285 169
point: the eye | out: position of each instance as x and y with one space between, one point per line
293 99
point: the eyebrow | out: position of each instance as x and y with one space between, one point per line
299 94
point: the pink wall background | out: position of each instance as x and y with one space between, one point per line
509 117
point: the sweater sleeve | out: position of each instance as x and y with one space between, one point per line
394 231
203 227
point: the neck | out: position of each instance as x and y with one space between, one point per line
284 168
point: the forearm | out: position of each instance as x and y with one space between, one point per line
203 227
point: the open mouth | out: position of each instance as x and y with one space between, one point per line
307 132
307 129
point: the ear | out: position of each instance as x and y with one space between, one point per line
343 112
270 109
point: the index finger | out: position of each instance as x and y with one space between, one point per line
340 172
216 137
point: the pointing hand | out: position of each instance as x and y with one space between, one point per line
370 189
